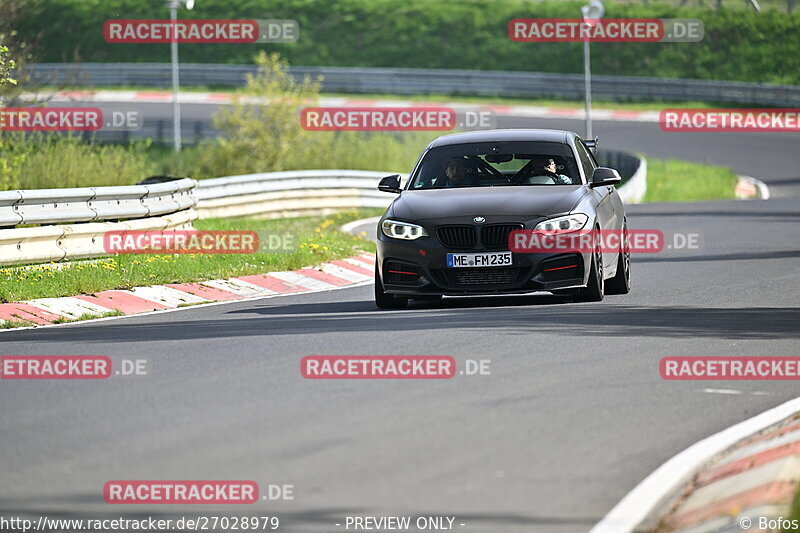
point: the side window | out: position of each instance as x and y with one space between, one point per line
587 161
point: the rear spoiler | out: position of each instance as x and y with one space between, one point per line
592 144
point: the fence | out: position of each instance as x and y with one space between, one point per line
402 81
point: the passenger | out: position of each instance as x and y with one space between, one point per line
550 167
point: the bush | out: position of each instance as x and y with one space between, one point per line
9 165
54 161
264 137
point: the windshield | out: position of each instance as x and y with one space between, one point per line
492 165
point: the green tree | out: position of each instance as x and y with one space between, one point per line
9 161
261 129
6 66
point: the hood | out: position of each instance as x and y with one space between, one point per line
506 201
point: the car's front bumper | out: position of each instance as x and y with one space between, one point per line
419 268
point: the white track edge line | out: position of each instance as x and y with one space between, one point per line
195 306
639 502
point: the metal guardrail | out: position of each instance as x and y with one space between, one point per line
95 204
75 220
77 241
403 81
292 193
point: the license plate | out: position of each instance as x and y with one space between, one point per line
494 259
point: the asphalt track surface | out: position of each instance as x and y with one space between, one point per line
572 417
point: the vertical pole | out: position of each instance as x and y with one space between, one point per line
176 107
587 78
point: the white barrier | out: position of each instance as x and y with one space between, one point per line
635 187
95 204
77 241
293 193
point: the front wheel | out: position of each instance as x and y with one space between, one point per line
386 301
621 282
595 289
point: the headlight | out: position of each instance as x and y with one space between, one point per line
402 230
572 222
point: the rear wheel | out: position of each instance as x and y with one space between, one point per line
594 290
621 282
386 301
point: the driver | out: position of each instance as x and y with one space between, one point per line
456 171
548 164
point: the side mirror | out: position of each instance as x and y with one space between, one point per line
390 184
604 176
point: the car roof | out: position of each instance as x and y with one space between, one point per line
506 135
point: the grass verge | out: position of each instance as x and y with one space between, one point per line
87 316
13 324
669 180
318 240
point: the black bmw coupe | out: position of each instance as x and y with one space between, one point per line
449 230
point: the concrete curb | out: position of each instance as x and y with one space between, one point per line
353 270
650 497
751 482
